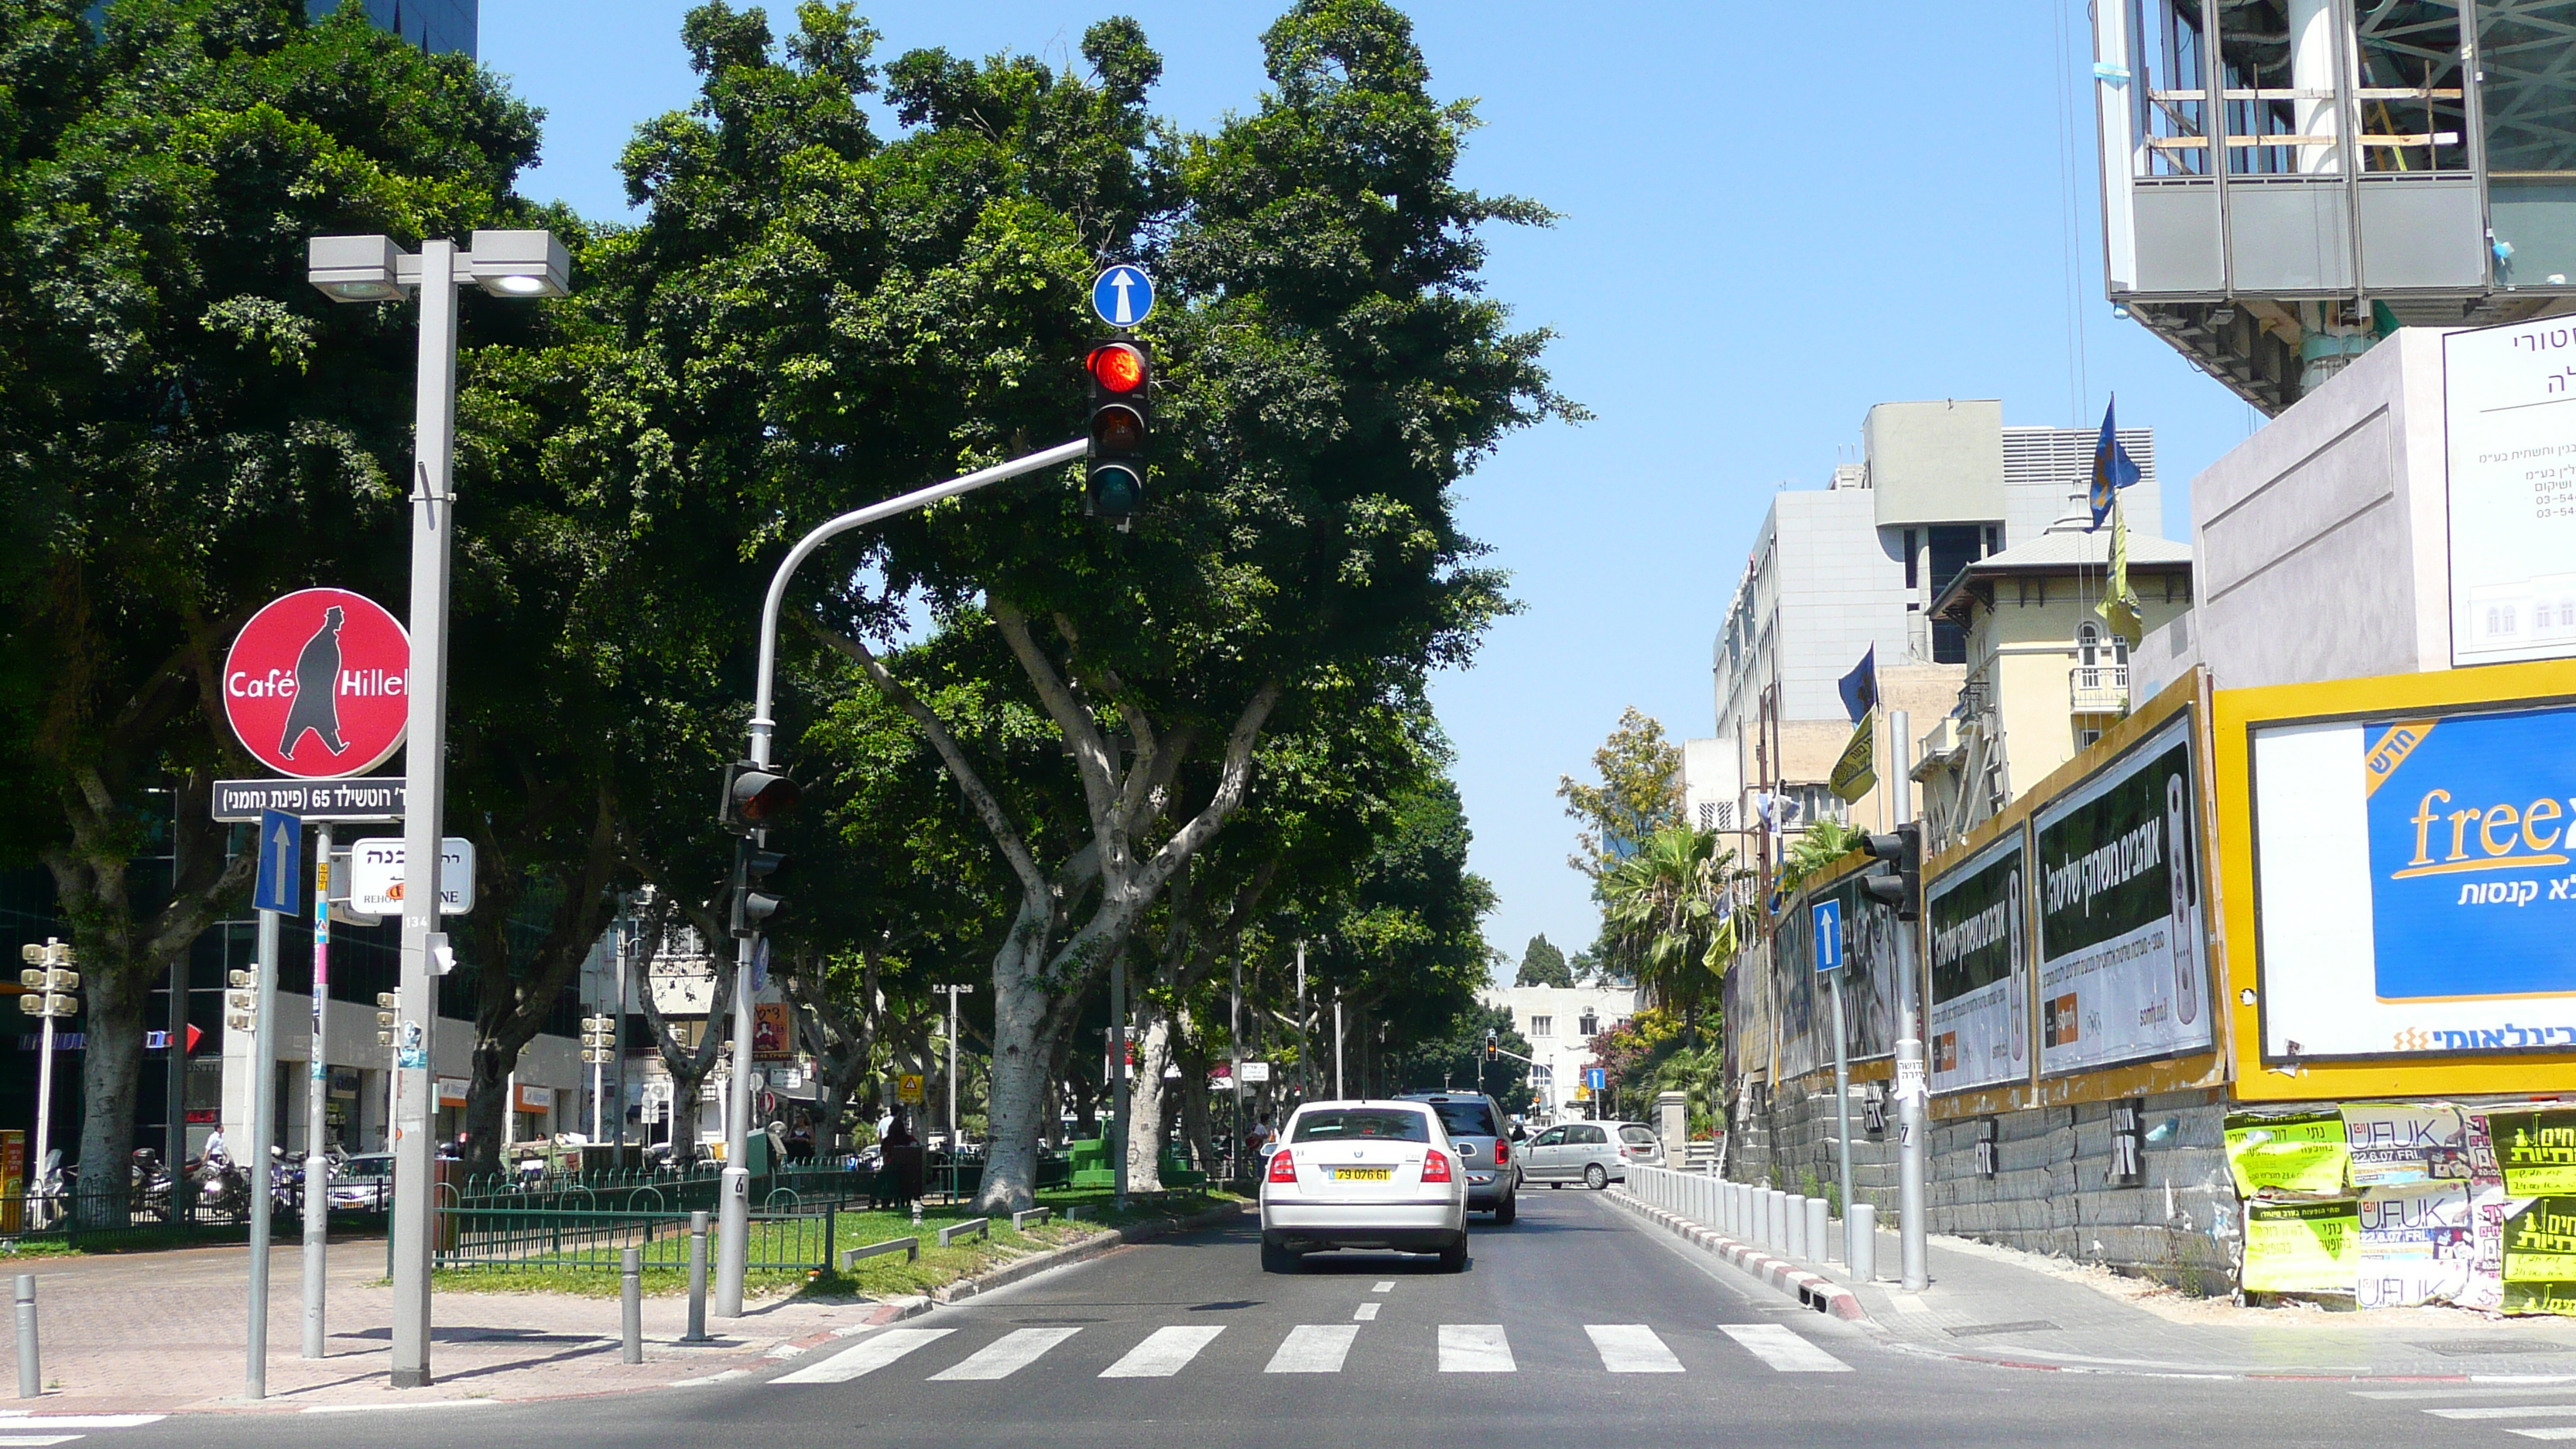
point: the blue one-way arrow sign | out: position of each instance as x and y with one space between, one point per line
1123 296
1829 935
281 864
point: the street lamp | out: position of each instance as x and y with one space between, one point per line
372 269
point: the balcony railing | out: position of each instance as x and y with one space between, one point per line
2098 689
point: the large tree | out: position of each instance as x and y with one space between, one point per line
1638 790
186 428
816 317
1543 965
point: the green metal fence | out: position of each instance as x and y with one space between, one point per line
581 1241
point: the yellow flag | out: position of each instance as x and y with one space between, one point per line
2119 606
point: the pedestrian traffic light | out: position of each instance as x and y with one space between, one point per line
1122 377
387 1004
1898 880
755 797
752 868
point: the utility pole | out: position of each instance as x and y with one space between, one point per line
1337 1044
370 269
317 1107
1118 1073
955 1138
1912 1088
1234 1057
1305 1038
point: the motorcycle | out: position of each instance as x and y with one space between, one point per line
148 1185
221 1188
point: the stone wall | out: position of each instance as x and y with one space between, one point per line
2051 1190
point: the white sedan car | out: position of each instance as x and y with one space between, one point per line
1363 1175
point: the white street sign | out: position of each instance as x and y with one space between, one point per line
1256 1071
376 876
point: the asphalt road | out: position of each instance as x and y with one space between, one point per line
1575 1326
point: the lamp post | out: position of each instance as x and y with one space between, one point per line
952 992
367 269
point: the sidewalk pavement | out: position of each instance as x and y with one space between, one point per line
1996 1305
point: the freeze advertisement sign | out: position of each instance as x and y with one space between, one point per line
1978 1032
2434 854
2122 974
2509 409
1868 980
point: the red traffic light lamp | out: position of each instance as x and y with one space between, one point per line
1122 376
755 798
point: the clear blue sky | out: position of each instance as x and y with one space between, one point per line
1774 216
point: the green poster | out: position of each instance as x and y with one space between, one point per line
2287 1152
2300 1247
2540 1242
2536 1151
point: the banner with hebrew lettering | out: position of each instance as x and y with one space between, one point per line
2123 975
2415 885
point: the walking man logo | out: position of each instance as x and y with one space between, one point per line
316 709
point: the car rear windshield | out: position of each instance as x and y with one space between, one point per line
1467 1119
1357 1123
1639 1135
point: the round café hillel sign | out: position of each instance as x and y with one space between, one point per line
316 685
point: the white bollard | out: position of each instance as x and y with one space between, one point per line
1775 1221
1793 1239
1860 1241
1820 1240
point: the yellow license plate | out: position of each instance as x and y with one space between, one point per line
1363 1174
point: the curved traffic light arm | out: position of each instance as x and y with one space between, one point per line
762 726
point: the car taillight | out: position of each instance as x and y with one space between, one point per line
1435 1166
1283 1168
1502 1151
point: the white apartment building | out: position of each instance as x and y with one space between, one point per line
1855 566
1560 1022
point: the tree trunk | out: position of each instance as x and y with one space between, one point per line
1195 1114
1148 1103
111 1080
487 1099
1022 1083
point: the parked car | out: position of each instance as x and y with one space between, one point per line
1475 1123
363 1183
1381 1174
1570 1152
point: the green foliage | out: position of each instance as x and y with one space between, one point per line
1670 914
1819 846
1639 791
1543 965
1455 1060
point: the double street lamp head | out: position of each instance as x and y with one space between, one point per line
503 263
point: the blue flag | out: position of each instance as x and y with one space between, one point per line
2113 468
1860 687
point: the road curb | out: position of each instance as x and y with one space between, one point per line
1810 1289
1091 1247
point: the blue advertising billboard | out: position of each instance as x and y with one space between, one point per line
2414 884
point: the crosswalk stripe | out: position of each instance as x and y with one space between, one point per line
1475 1348
1314 1348
1632 1348
1005 1355
1785 1351
2553 1431
78 1421
866 1356
2510 1411
36 1441
1165 1352
1365 1313
2521 1391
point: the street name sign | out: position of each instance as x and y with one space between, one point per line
1123 296
317 684
378 797
376 876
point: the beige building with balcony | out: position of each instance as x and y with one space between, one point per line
2045 674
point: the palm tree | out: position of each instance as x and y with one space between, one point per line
1821 845
1669 911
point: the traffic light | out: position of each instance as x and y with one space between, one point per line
1493 1045
1122 375
241 1003
386 1005
755 797
752 868
1899 880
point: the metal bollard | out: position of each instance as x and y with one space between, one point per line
31 1372
1793 1239
697 1280
1820 1231
632 1289
1860 1242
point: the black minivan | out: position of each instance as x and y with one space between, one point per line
1475 1123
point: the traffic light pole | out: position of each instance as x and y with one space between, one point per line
1911 1084
317 1106
263 1134
733 1239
